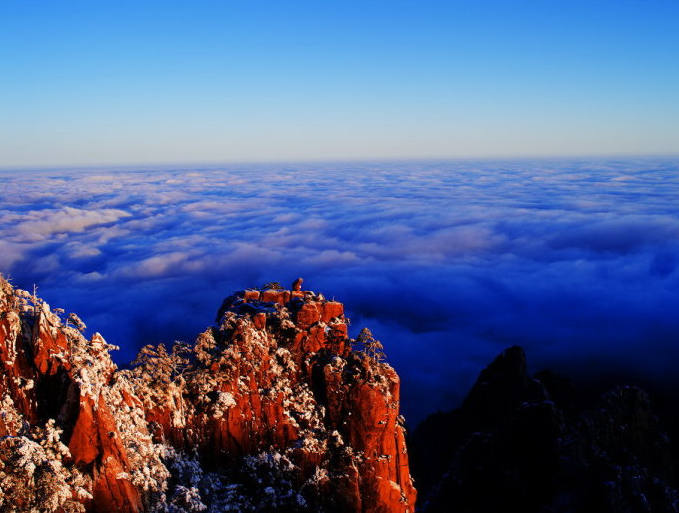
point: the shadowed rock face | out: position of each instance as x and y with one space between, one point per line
270 410
532 444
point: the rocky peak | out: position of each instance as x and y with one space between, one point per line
523 443
502 387
272 409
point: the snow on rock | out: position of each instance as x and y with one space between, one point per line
270 410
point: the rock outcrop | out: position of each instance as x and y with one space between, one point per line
272 409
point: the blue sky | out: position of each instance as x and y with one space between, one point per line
129 82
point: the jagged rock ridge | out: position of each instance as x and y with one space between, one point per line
530 444
272 409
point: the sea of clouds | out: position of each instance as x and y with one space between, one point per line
447 262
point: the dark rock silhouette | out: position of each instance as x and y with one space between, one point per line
524 444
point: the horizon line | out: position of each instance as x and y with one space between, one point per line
411 159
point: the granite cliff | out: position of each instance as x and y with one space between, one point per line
273 408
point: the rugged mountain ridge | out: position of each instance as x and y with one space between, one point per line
534 444
272 409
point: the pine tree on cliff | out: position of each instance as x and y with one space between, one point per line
36 301
371 346
77 322
272 285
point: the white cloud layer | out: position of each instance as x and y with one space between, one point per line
575 260
37 225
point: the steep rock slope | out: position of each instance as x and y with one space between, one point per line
272 409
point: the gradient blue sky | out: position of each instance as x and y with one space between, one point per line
124 82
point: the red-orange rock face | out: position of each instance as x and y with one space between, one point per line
95 437
331 309
50 372
274 388
280 297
